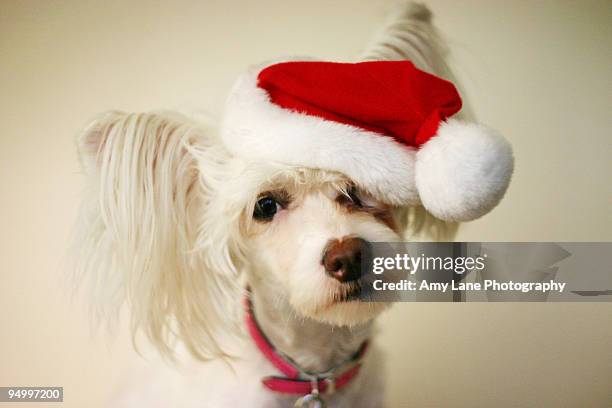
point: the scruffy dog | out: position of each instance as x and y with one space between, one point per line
242 246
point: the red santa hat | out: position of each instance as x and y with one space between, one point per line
384 124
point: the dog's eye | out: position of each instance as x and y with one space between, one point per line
350 198
266 208
352 195
355 199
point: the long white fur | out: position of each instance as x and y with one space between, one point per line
165 228
151 175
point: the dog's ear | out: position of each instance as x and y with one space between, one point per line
141 222
409 33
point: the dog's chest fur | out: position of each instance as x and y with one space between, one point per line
217 384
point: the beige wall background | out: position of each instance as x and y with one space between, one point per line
539 71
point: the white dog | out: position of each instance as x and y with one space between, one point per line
246 253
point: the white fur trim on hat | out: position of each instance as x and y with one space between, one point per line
255 128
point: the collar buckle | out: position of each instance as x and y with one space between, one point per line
312 400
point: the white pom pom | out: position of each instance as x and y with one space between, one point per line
463 171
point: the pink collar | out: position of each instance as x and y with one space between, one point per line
297 381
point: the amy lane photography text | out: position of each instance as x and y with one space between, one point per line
487 284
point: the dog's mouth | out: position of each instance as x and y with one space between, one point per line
348 293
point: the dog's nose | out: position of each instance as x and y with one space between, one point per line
342 259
